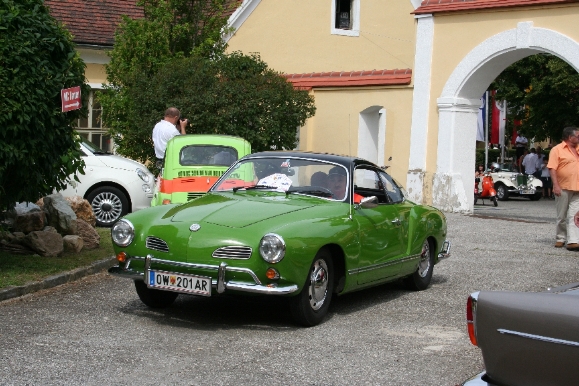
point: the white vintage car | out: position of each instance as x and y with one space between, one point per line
113 185
509 182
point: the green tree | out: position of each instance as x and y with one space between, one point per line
175 57
235 94
543 92
170 30
38 149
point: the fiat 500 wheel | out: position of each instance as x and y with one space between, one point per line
154 298
310 306
109 204
420 279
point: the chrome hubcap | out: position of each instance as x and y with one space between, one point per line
424 265
318 286
107 207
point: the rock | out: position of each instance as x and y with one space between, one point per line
59 214
15 249
90 236
25 207
73 243
46 244
15 238
30 221
82 209
48 228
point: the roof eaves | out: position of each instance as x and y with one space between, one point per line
438 6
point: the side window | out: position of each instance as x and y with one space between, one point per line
394 192
368 183
345 17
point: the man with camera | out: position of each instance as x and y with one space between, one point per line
170 126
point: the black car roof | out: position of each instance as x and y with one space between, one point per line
346 161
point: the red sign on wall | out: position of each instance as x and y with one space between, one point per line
70 98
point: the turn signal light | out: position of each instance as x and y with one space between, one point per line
121 257
272 274
471 316
166 201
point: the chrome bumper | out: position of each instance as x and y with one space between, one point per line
478 380
445 251
256 286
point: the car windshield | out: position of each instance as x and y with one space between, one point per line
290 175
93 148
195 155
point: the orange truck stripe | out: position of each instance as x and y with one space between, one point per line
187 184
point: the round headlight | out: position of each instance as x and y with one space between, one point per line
272 248
123 233
144 176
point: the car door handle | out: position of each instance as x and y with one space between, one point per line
396 222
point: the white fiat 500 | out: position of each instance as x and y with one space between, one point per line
113 185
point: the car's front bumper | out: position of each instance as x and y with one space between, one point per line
220 284
445 251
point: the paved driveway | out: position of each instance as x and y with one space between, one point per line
96 331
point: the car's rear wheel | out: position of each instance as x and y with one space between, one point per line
310 306
420 279
109 204
502 192
154 298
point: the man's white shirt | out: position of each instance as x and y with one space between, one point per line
162 133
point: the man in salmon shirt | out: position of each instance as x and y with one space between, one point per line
564 169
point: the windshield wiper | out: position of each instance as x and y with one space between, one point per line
253 187
313 192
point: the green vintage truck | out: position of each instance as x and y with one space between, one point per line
193 163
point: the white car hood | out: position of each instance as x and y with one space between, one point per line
115 162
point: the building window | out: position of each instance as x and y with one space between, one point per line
346 17
90 128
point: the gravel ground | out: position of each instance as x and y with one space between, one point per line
96 331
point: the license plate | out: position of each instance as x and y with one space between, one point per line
527 192
171 281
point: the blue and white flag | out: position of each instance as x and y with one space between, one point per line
482 116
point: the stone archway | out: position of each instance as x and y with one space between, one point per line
459 102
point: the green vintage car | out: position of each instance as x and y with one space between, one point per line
304 226
192 165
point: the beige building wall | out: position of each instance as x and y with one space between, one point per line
295 36
334 128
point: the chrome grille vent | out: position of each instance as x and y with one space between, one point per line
192 196
156 244
232 252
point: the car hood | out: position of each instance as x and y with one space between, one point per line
117 162
236 212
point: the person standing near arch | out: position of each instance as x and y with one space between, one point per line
564 169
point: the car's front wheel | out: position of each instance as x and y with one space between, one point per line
109 204
154 298
310 306
536 197
420 279
502 192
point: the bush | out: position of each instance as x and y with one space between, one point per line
38 149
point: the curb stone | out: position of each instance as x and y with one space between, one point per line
56 280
